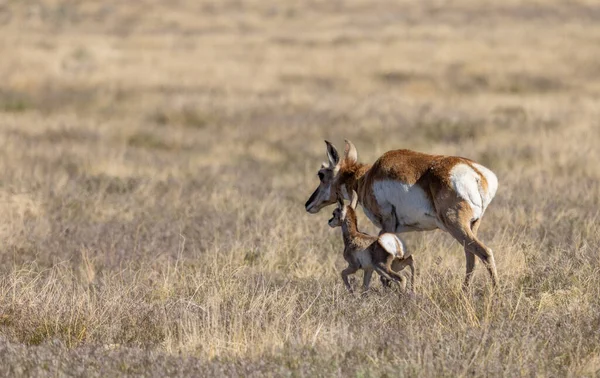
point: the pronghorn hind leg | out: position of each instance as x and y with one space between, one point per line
475 226
367 279
386 268
470 258
458 222
396 272
381 270
398 265
474 247
470 267
385 282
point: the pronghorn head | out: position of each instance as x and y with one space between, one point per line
329 177
340 213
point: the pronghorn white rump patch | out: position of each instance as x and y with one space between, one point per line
466 182
392 244
492 184
413 207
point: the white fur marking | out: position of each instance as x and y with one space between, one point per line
392 244
413 207
492 182
466 183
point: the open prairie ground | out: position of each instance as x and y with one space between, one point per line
155 158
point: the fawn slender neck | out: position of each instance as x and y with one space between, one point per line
349 227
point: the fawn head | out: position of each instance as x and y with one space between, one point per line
340 213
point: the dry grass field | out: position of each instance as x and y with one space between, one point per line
155 158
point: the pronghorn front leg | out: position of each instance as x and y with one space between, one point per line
345 273
367 279
390 224
389 221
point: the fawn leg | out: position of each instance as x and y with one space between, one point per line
345 273
367 279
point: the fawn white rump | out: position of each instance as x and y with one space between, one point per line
406 191
392 244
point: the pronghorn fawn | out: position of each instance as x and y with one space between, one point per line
411 191
384 254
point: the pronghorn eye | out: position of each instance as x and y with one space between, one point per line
321 175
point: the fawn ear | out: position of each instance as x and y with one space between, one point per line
332 155
354 199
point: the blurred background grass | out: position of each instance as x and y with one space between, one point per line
155 159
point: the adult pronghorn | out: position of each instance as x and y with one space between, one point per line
411 191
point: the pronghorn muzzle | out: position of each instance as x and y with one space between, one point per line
319 199
311 203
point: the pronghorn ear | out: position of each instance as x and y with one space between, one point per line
350 152
354 199
332 154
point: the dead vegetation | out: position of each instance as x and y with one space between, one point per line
155 158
